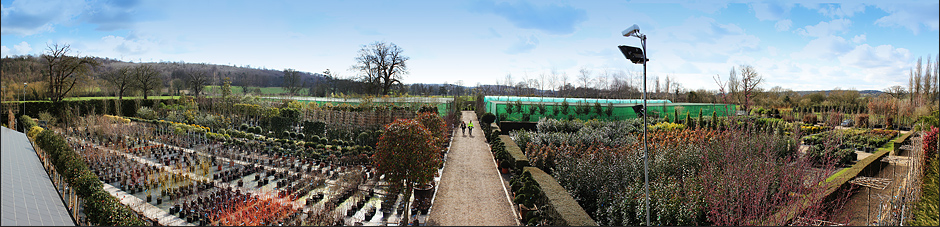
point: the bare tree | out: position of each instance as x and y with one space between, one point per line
656 86
584 77
63 72
459 87
928 81
918 73
509 83
553 81
381 65
119 78
750 79
146 78
292 82
197 80
564 83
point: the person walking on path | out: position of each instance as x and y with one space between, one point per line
463 127
471 128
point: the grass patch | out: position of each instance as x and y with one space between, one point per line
833 177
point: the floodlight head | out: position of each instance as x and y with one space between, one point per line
634 54
631 30
638 109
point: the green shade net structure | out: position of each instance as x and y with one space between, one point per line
621 108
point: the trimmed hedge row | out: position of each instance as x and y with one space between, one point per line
563 209
100 207
557 206
516 157
125 107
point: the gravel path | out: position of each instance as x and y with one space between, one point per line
471 191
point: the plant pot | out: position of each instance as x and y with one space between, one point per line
504 170
526 212
159 200
149 198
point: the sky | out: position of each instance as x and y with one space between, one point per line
798 45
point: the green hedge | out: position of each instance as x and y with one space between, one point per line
112 106
563 209
516 156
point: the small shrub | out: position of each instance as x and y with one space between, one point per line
35 130
147 113
488 118
810 118
861 121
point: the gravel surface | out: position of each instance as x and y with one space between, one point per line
471 191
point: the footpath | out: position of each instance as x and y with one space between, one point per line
471 191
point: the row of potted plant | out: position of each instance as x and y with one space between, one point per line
100 207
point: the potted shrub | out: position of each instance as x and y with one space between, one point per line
504 166
407 154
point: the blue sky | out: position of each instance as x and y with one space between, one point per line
800 45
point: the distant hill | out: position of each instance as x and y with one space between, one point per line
26 67
862 92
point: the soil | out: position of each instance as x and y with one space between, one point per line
859 210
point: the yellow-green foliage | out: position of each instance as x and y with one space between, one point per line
117 119
35 130
667 126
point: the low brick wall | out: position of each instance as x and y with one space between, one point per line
564 210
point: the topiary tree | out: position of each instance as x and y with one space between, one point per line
488 118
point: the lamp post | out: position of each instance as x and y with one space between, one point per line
637 55
24 98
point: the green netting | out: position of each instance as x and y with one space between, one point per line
622 108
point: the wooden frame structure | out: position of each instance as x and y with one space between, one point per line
871 182
801 221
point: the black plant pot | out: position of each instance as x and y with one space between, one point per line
159 200
149 198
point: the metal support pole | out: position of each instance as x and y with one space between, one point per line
646 175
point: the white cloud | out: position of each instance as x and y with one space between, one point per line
823 48
825 28
22 48
783 25
31 17
4 51
707 46
132 45
523 45
841 10
911 16
859 38
772 51
706 6
771 10
867 57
